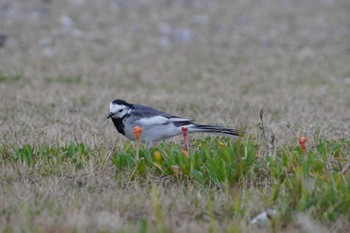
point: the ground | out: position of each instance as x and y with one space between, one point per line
218 62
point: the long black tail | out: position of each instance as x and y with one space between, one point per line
216 130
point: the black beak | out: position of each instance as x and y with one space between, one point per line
110 115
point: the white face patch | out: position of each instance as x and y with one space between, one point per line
118 110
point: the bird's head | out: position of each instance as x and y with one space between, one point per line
119 108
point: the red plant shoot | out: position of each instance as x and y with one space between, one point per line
137 131
303 143
184 130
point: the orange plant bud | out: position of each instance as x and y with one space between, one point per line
184 130
137 130
303 143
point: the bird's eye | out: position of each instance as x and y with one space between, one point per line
120 110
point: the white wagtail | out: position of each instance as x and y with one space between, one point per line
157 125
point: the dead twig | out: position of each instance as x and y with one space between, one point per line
271 140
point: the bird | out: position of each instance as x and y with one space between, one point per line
157 125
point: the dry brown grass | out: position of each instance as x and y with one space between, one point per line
291 57
214 61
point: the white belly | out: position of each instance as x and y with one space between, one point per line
154 133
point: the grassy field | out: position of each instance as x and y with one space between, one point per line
64 167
